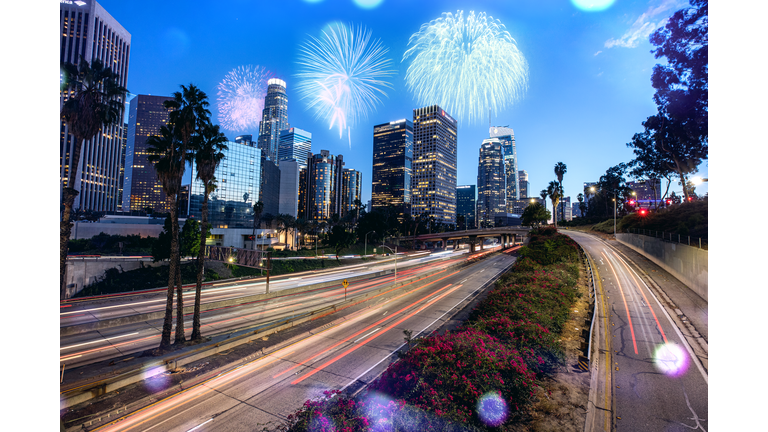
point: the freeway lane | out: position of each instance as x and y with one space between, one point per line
357 350
90 347
658 383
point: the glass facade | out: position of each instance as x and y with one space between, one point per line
507 138
274 118
522 176
141 188
393 165
269 192
465 205
433 184
491 197
295 144
321 189
352 183
238 183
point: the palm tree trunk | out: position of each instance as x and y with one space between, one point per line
176 260
165 339
196 334
69 194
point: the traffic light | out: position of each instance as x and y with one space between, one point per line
632 202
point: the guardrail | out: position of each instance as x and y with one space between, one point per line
672 237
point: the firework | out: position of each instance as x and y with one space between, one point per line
342 74
241 97
467 65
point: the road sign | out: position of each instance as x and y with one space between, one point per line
345 283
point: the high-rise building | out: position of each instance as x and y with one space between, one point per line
352 183
121 179
238 175
244 139
269 192
491 196
295 144
507 138
465 206
434 164
320 186
88 31
522 176
648 192
518 206
141 187
289 188
274 118
392 165
564 209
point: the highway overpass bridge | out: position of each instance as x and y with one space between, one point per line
506 235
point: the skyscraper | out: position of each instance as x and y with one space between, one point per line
507 138
141 188
393 165
320 186
352 183
295 144
491 197
269 191
434 164
87 30
274 118
522 176
289 187
465 206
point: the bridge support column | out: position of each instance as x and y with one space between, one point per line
472 240
481 242
445 242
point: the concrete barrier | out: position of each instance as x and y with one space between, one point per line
686 263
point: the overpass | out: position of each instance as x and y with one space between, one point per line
506 235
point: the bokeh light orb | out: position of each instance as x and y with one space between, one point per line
156 379
368 4
593 5
670 359
492 409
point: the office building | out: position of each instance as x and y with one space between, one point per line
244 139
491 196
506 137
121 179
575 210
294 144
274 118
433 181
647 192
522 177
465 206
238 188
519 206
141 187
320 186
269 191
87 30
392 166
352 183
289 188
564 209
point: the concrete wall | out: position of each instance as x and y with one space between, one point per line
86 230
687 263
82 272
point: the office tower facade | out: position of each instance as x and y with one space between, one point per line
121 179
507 138
352 183
269 191
320 187
491 196
522 177
244 139
434 164
647 192
564 209
465 206
289 188
518 206
392 166
274 118
238 175
141 187
294 144
87 30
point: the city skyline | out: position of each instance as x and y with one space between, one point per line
589 93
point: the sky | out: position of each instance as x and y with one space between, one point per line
588 87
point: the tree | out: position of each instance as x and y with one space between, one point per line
582 206
189 238
93 99
543 194
340 239
161 249
258 208
555 192
535 214
209 152
560 170
650 163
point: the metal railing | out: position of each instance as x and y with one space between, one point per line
698 242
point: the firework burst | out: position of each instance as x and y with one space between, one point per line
342 74
241 97
467 65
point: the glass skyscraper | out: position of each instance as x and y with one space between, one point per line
320 189
465 206
491 198
274 118
352 182
87 30
522 176
393 165
238 177
433 183
295 144
507 138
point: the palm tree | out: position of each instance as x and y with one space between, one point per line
289 223
554 191
258 208
543 194
165 153
560 170
94 100
208 154
302 225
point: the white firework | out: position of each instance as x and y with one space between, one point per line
241 97
467 65
342 73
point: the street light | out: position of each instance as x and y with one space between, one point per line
698 180
395 252
366 243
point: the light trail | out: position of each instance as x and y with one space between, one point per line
632 330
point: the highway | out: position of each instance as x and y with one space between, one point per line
95 346
351 352
650 378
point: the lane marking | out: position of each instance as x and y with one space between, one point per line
98 340
368 334
632 330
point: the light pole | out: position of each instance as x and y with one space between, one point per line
614 214
395 252
366 243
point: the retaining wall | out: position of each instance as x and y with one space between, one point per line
688 264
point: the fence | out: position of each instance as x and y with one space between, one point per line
698 242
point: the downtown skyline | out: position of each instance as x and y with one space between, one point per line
588 87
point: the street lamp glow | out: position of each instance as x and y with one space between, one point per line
698 180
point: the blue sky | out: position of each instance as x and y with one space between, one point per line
589 71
